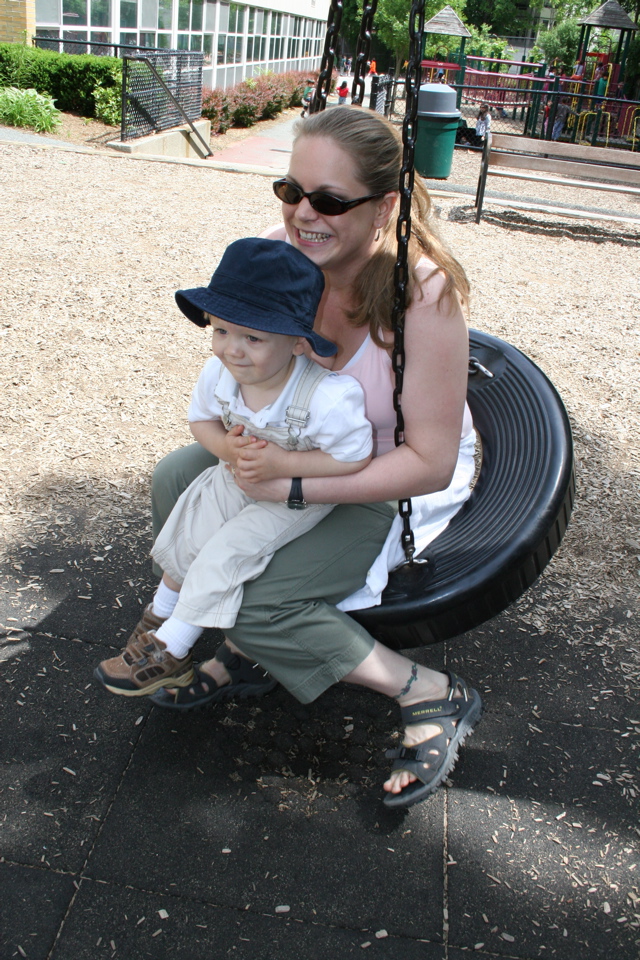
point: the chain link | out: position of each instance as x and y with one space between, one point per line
403 233
363 49
323 87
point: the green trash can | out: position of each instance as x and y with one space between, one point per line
437 127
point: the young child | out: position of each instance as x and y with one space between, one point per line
265 410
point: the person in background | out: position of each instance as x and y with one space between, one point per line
343 92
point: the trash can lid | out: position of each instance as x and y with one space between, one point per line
437 100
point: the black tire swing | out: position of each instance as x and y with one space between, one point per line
504 536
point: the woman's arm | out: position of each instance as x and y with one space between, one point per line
257 463
435 384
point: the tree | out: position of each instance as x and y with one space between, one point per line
502 17
560 44
392 24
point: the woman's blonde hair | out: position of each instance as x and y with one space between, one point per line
376 151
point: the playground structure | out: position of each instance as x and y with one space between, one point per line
526 97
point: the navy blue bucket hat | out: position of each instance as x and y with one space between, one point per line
265 285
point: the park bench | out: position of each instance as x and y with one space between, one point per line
564 164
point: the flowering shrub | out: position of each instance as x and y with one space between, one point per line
215 107
258 98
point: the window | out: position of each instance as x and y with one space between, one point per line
99 37
257 29
74 12
100 13
164 15
164 41
231 33
196 41
147 39
207 49
129 39
148 14
183 15
47 11
196 14
276 42
128 13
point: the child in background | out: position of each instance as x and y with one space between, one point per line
265 410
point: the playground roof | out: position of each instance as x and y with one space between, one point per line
610 14
447 22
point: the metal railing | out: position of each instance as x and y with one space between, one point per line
94 47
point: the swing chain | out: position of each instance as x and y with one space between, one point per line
403 234
323 87
363 50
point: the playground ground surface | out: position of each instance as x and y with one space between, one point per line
256 830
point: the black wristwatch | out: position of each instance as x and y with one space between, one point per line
296 500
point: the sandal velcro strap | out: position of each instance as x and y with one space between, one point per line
239 668
433 710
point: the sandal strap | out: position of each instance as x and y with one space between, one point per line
239 668
436 710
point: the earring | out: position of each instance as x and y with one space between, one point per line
377 236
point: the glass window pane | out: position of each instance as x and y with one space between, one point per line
210 16
183 41
183 15
75 38
252 19
47 11
128 13
223 26
233 17
231 49
207 49
240 26
130 39
196 14
99 37
249 49
75 12
196 41
148 14
164 15
147 39
164 41
100 13
222 43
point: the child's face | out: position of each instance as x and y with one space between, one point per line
253 356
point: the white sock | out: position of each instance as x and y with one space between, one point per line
178 636
164 602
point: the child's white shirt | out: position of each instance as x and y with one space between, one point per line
337 423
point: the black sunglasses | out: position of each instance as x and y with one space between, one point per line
322 203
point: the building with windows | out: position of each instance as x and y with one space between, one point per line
237 40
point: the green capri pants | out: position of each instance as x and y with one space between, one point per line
288 621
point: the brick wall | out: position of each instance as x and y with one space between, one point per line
16 16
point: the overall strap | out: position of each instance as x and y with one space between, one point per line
298 413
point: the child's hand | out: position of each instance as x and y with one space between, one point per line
234 443
260 460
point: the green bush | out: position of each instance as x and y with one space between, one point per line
27 108
71 80
108 102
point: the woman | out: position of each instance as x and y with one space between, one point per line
289 622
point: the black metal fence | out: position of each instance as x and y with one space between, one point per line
556 115
160 90
573 116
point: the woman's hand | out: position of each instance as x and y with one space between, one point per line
274 491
